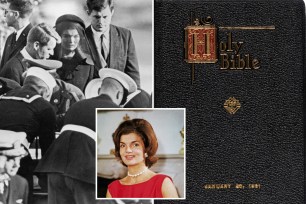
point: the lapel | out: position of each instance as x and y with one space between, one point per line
2 199
24 64
10 49
97 56
115 47
21 42
17 191
13 192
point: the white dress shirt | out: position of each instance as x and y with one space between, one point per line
106 39
18 32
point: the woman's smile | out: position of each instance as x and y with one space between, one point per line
131 149
129 157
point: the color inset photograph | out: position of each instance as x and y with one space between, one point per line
141 153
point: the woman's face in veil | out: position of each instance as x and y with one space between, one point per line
70 39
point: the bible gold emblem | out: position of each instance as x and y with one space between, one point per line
232 105
231 51
200 42
201 46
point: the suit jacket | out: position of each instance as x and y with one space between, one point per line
10 51
79 76
14 68
122 54
18 190
73 153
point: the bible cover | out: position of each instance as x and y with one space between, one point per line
237 66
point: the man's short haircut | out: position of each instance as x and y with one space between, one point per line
25 7
99 5
37 82
111 85
42 34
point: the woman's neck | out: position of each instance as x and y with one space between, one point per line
136 169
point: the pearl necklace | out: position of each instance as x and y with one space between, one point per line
135 175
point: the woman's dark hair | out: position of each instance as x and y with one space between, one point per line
98 5
69 21
143 129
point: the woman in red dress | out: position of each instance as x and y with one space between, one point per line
136 145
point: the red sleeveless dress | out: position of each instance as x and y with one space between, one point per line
148 189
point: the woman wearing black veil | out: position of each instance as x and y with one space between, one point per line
74 51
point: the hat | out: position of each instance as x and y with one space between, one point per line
10 143
7 85
43 75
125 80
138 99
70 18
44 63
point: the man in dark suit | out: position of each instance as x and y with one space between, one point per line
41 42
111 46
17 13
70 160
13 188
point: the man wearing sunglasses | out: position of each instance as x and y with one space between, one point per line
17 15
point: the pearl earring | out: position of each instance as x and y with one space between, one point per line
146 155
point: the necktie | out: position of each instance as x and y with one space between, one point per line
13 42
103 48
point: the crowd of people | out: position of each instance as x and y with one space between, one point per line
52 79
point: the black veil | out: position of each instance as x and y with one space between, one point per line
70 21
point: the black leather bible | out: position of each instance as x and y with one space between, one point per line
237 66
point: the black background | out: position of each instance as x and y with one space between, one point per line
263 142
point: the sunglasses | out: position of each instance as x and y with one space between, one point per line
6 11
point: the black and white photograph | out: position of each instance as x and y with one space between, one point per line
141 153
59 61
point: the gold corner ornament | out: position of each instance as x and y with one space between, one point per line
232 105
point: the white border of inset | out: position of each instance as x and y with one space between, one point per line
143 109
